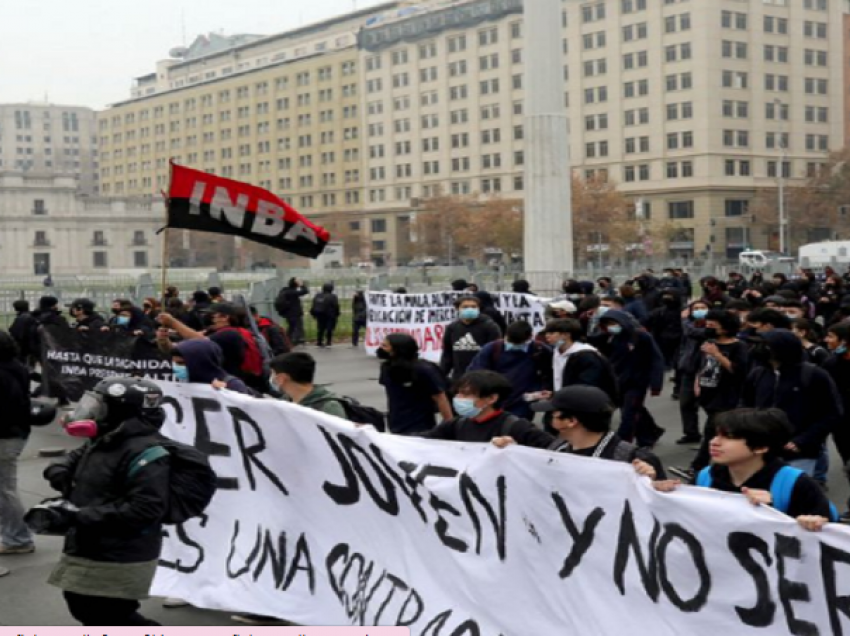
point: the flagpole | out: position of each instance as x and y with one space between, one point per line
165 251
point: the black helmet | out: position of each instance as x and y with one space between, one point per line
42 412
134 395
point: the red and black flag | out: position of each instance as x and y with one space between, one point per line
208 203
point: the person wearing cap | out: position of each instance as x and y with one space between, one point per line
560 309
82 310
582 417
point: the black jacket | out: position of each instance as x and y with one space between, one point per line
359 310
44 319
636 359
21 331
325 305
814 409
462 429
120 519
288 302
15 398
93 322
462 342
592 369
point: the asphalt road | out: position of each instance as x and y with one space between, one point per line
26 599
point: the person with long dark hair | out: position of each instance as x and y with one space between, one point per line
416 389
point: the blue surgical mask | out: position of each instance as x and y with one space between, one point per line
841 350
615 329
510 346
180 371
602 311
465 407
560 343
700 314
470 313
122 321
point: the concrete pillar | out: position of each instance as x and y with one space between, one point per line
548 241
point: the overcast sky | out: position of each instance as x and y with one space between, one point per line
85 52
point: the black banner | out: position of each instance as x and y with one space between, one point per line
73 362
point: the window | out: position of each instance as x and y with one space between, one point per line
773 24
99 259
488 36
593 12
737 168
681 209
140 259
773 110
635 60
734 79
736 138
632 6
815 58
815 30
776 54
139 238
736 109
776 82
733 20
594 40
814 86
38 207
737 207
633 32
379 226
735 50
817 114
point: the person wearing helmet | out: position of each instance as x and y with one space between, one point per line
113 520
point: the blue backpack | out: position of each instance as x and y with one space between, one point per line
781 488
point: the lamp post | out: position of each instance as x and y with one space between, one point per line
781 174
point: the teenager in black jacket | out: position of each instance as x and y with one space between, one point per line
464 337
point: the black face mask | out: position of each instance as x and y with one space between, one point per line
383 354
761 353
710 333
671 302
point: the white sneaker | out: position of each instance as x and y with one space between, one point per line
172 602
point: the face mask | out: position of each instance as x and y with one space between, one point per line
116 311
180 372
710 334
122 321
602 311
469 314
841 350
465 407
510 346
699 314
383 354
615 330
560 344
671 302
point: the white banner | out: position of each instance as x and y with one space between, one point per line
324 524
425 316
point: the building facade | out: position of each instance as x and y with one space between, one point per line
47 226
692 106
50 139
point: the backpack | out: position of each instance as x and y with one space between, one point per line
252 362
282 304
191 484
359 413
321 304
609 383
781 488
806 375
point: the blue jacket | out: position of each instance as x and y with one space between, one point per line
528 371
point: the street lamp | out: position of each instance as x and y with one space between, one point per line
781 174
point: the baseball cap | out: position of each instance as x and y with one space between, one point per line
576 399
82 303
564 305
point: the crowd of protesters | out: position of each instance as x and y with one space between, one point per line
760 369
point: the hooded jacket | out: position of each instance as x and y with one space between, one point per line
693 337
636 359
488 308
325 303
813 410
204 361
15 397
21 330
462 342
120 519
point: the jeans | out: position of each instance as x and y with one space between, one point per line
688 406
14 532
355 331
806 465
636 423
295 329
99 610
327 324
822 467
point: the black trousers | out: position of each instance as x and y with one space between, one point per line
326 325
102 611
296 329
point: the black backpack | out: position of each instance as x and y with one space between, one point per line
321 303
359 413
192 481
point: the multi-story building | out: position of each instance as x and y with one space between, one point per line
50 139
48 226
691 106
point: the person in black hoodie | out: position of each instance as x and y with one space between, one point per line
665 325
806 394
113 530
488 308
15 536
22 328
464 337
326 311
639 366
48 316
359 316
87 319
288 306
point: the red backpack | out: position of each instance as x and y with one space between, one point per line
252 362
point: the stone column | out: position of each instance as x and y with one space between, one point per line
548 241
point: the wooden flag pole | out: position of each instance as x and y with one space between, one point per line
165 249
